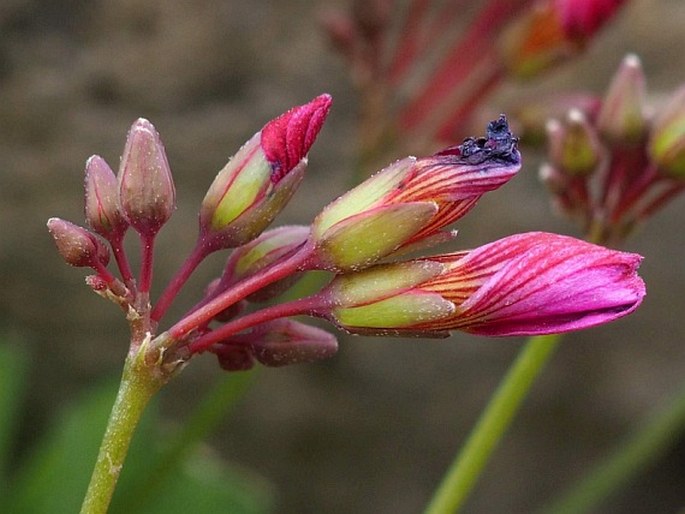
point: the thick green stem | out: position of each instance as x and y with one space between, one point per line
636 452
493 423
138 385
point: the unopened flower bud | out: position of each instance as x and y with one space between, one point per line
102 200
78 246
270 247
534 283
260 179
551 32
574 146
667 140
382 297
622 117
146 189
287 342
234 357
412 199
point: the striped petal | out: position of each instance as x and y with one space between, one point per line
539 283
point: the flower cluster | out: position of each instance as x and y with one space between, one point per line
412 72
615 162
531 283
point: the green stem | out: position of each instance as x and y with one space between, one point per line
493 423
138 385
636 452
211 411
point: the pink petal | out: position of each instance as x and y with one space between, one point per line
558 284
286 139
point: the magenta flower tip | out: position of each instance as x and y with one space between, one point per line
581 19
287 139
548 283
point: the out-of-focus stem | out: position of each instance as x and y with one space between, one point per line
636 453
493 423
460 60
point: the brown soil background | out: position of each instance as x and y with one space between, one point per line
372 430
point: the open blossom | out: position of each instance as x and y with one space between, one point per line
258 181
412 199
533 283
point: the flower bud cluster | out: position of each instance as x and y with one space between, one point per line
390 51
565 284
612 167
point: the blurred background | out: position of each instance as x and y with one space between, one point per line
373 429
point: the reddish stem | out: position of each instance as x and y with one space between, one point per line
204 314
147 243
454 125
434 28
460 60
103 272
660 200
407 47
635 192
191 263
117 244
309 305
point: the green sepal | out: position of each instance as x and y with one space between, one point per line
361 240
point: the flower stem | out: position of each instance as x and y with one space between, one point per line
117 243
307 305
204 314
167 297
636 452
493 423
147 244
138 386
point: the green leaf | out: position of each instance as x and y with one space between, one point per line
206 484
56 475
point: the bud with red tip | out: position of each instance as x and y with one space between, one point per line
261 178
102 200
78 246
146 189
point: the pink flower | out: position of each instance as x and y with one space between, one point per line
526 284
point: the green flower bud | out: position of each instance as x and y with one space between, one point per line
622 117
574 146
667 141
